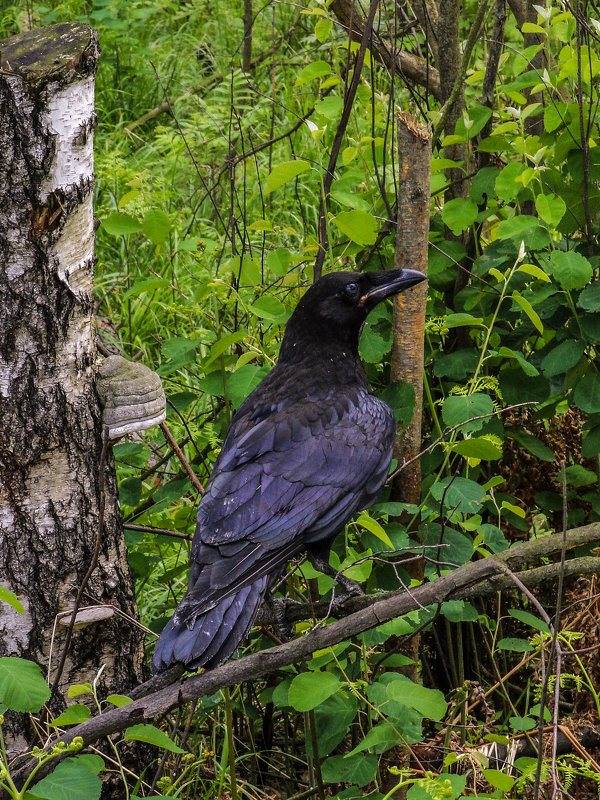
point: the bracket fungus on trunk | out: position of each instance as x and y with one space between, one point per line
131 395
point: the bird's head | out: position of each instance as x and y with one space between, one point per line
336 306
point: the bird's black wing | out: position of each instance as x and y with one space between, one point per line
293 478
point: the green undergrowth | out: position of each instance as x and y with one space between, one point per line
208 185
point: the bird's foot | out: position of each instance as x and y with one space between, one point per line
283 628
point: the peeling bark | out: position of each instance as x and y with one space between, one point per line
50 419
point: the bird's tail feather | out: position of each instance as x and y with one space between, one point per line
214 635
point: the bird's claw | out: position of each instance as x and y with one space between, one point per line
283 627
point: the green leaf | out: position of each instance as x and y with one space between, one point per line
458 611
528 309
309 689
151 735
79 689
443 258
260 225
22 687
514 645
587 393
359 769
11 598
146 286
278 261
564 356
121 224
323 28
222 345
73 779
535 272
580 476
532 27
519 227
462 408
380 738
285 172
589 299
130 491
522 723
332 719
428 703
330 107
530 443
156 226
487 448
119 700
508 183
73 715
172 490
551 208
269 307
571 269
554 115
373 348
529 619
357 225
496 778
457 365
458 214
371 525
318 69
459 494
525 365
242 381
400 397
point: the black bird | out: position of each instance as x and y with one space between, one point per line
309 447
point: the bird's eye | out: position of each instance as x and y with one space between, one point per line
351 290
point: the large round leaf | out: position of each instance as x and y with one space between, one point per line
571 269
22 687
359 226
587 393
309 689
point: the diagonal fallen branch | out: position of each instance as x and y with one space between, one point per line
461 582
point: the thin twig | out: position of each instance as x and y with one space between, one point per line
179 453
158 531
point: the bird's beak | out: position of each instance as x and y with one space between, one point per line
390 282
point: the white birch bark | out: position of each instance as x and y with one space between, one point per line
50 420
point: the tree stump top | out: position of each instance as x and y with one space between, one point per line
60 53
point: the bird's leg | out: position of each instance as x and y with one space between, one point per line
319 560
278 606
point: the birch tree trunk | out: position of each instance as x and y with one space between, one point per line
51 488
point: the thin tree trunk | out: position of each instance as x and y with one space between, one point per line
412 235
414 159
51 488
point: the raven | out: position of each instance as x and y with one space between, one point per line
310 446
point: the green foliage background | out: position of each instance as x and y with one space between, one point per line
208 184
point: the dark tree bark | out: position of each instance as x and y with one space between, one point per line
51 488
